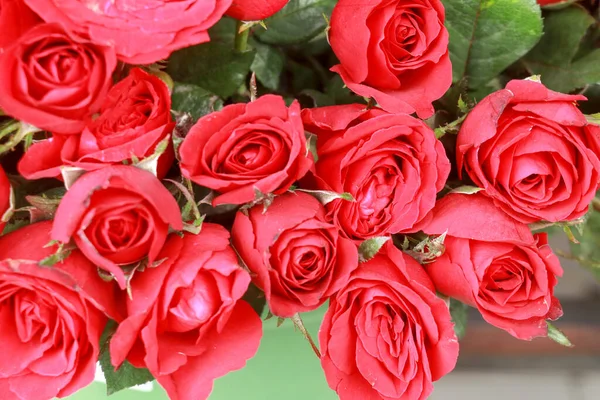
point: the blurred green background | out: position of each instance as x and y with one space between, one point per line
284 367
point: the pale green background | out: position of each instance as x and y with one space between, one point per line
284 368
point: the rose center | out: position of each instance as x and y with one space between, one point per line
193 306
376 194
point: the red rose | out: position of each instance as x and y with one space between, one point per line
386 335
494 263
532 151
245 148
5 201
15 19
134 118
299 259
392 165
117 215
187 323
51 321
142 31
52 81
394 51
254 10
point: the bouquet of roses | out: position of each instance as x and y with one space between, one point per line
176 172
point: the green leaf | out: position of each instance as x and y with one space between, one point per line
555 56
486 36
14 225
214 66
587 252
299 21
460 315
267 64
555 334
466 189
194 100
370 247
256 298
326 197
127 375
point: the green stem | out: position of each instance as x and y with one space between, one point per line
441 131
300 325
241 38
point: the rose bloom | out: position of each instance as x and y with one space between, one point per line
254 10
117 215
53 82
392 165
134 118
186 321
142 31
298 258
495 264
532 151
245 148
5 198
393 51
386 334
15 19
52 318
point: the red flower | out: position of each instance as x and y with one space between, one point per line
392 165
532 151
254 10
15 19
52 318
143 31
245 148
52 81
187 323
386 335
494 263
117 215
394 51
134 118
299 259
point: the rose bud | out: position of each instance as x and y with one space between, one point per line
495 264
52 318
254 10
187 322
142 31
532 151
392 165
393 51
386 334
298 258
117 215
245 148
134 118
52 81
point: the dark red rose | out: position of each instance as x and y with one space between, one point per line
386 335
299 260
392 165
495 264
5 201
117 215
53 82
393 51
187 323
52 318
532 151
15 19
142 31
254 10
245 148
135 116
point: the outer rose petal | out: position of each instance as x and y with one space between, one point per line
5 193
254 10
15 19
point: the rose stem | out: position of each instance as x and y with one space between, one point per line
300 325
241 38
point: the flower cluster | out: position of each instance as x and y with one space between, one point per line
138 233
